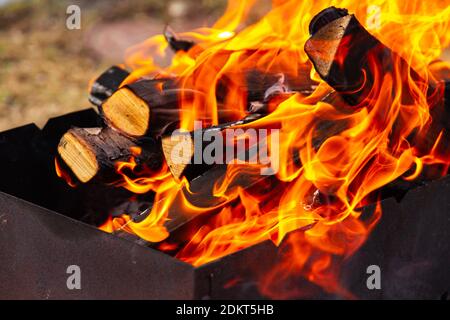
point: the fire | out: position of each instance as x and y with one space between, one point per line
313 213
63 175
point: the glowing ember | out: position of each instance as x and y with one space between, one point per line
372 150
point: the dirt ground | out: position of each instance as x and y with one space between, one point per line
45 68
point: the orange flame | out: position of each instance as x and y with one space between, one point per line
314 212
63 175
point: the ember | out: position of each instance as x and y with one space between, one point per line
357 109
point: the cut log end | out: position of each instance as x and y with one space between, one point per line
92 154
127 112
323 46
106 84
178 151
79 156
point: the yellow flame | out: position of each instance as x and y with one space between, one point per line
370 150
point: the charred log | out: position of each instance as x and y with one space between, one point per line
151 108
180 149
351 60
105 85
175 43
91 154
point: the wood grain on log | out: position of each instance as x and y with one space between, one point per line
183 164
93 152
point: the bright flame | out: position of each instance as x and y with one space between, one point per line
321 199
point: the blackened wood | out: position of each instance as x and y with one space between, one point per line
154 107
325 17
92 153
105 85
185 164
349 59
203 177
175 43
143 108
258 87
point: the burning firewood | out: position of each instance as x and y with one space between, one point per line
260 87
352 61
273 95
175 43
105 85
349 58
151 107
133 108
183 164
92 153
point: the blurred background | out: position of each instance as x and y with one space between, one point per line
45 68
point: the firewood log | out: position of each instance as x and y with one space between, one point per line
105 85
179 149
151 108
200 193
175 43
133 108
349 59
91 154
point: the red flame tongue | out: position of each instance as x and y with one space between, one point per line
342 153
